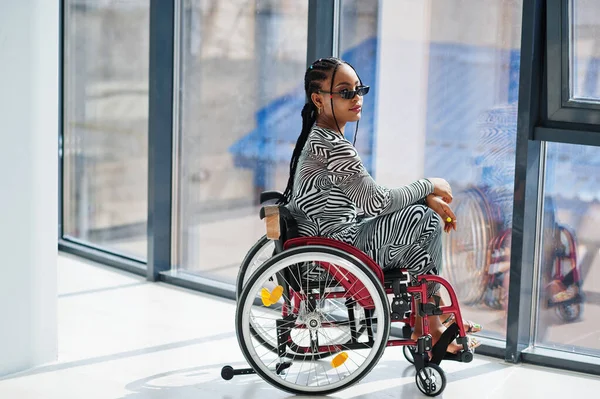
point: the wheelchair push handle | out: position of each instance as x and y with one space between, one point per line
271 196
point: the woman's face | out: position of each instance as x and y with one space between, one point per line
346 110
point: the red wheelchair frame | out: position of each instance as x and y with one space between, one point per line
354 287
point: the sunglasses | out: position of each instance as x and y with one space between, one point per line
349 94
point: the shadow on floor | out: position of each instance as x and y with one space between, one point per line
388 378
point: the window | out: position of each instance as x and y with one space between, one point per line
105 124
572 61
569 275
447 107
358 45
241 91
585 49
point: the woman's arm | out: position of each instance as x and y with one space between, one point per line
348 173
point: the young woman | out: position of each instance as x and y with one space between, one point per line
328 184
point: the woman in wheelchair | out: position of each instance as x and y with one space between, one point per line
328 183
315 317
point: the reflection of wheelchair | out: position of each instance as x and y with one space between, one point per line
477 258
313 314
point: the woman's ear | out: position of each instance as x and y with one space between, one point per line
317 99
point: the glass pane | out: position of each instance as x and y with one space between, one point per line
242 65
585 49
569 294
358 46
106 123
447 107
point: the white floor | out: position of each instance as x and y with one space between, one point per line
122 337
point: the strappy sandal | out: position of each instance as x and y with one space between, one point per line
440 349
470 326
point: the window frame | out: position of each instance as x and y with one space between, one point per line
560 107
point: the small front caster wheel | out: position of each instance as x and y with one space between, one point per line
227 372
431 380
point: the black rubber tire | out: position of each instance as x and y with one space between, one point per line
439 388
469 279
382 322
239 283
408 354
569 313
241 277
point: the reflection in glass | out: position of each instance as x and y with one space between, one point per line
585 49
453 114
105 124
569 294
242 67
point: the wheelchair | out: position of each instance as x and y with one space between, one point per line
314 314
476 259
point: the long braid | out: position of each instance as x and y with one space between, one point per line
315 74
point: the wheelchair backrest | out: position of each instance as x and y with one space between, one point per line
280 224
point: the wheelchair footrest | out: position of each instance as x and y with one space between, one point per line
462 356
578 298
439 350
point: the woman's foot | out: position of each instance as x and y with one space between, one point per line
470 327
454 347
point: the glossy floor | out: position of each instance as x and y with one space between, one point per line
122 337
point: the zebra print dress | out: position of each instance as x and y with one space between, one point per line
330 186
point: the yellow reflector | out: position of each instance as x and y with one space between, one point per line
265 295
339 359
276 294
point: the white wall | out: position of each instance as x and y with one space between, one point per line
28 179
402 83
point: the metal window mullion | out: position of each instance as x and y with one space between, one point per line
538 257
321 27
61 117
176 226
565 53
336 31
574 135
527 172
160 136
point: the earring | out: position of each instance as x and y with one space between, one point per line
319 110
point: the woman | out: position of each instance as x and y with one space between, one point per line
328 184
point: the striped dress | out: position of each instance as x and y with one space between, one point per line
331 185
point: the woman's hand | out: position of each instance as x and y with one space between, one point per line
441 188
439 206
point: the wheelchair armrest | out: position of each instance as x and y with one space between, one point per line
270 196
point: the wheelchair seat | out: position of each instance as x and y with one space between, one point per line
283 229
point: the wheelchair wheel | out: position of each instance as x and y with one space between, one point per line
431 380
258 254
466 251
328 306
569 313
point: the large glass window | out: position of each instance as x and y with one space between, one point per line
358 45
241 91
569 276
105 123
447 107
585 49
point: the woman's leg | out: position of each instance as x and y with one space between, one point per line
411 239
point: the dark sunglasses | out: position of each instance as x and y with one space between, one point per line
349 94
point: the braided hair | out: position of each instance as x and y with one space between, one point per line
315 74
